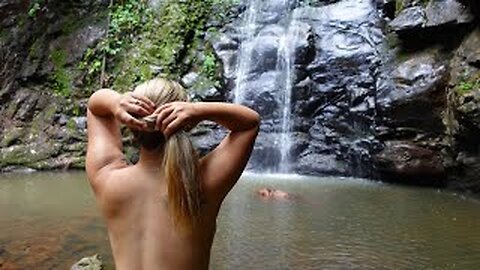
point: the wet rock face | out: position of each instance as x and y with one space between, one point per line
469 109
336 100
418 95
335 47
36 134
39 130
427 102
436 14
408 163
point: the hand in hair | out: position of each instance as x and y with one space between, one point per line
176 116
131 107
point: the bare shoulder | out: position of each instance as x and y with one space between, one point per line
113 187
98 175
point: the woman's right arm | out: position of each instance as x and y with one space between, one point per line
221 168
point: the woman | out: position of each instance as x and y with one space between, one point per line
161 212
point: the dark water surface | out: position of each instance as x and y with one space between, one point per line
50 220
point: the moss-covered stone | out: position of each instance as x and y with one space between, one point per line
43 120
28 154
12 136
61 78
468 83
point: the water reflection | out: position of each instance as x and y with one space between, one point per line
49 220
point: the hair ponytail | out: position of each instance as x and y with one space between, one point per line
180 165
180 160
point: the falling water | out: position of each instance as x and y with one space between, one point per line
248 32
287 56
284 68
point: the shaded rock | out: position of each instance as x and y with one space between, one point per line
226 49
89 263
206 136
12 136
465 176
267 153
447 12
80 123
209 94
470 50
28 154
409 18
469 109
418 97
436 14
408 163
302 39
189 79
318 164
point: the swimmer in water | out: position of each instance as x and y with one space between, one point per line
274 193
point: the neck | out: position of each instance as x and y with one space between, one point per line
150 160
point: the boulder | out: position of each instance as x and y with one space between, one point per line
469 51
88 263
226 48
406 162
418 95
469 109
319 164
189 79
437 14
409 18
447 12
206 136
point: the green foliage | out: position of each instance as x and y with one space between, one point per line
142 43
35 6
127 19
467 84
465 87
71 125
62 82
209 65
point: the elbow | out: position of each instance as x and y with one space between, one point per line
256 121
92 100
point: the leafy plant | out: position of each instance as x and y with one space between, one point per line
142 43
60 77
35 7
467 83
209 66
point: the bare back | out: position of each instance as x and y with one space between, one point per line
143 236
133 199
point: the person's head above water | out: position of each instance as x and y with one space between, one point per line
179 158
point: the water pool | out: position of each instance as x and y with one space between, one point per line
50 220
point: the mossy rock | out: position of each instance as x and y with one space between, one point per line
12 136
28 154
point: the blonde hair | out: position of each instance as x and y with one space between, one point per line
180 160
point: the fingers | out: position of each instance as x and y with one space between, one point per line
131 121
136 109
172 127
169 119
131 101
145 102
162 115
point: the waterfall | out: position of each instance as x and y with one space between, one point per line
310 69
245 56
286 58
252 24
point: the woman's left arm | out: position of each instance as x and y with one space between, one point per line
108 109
